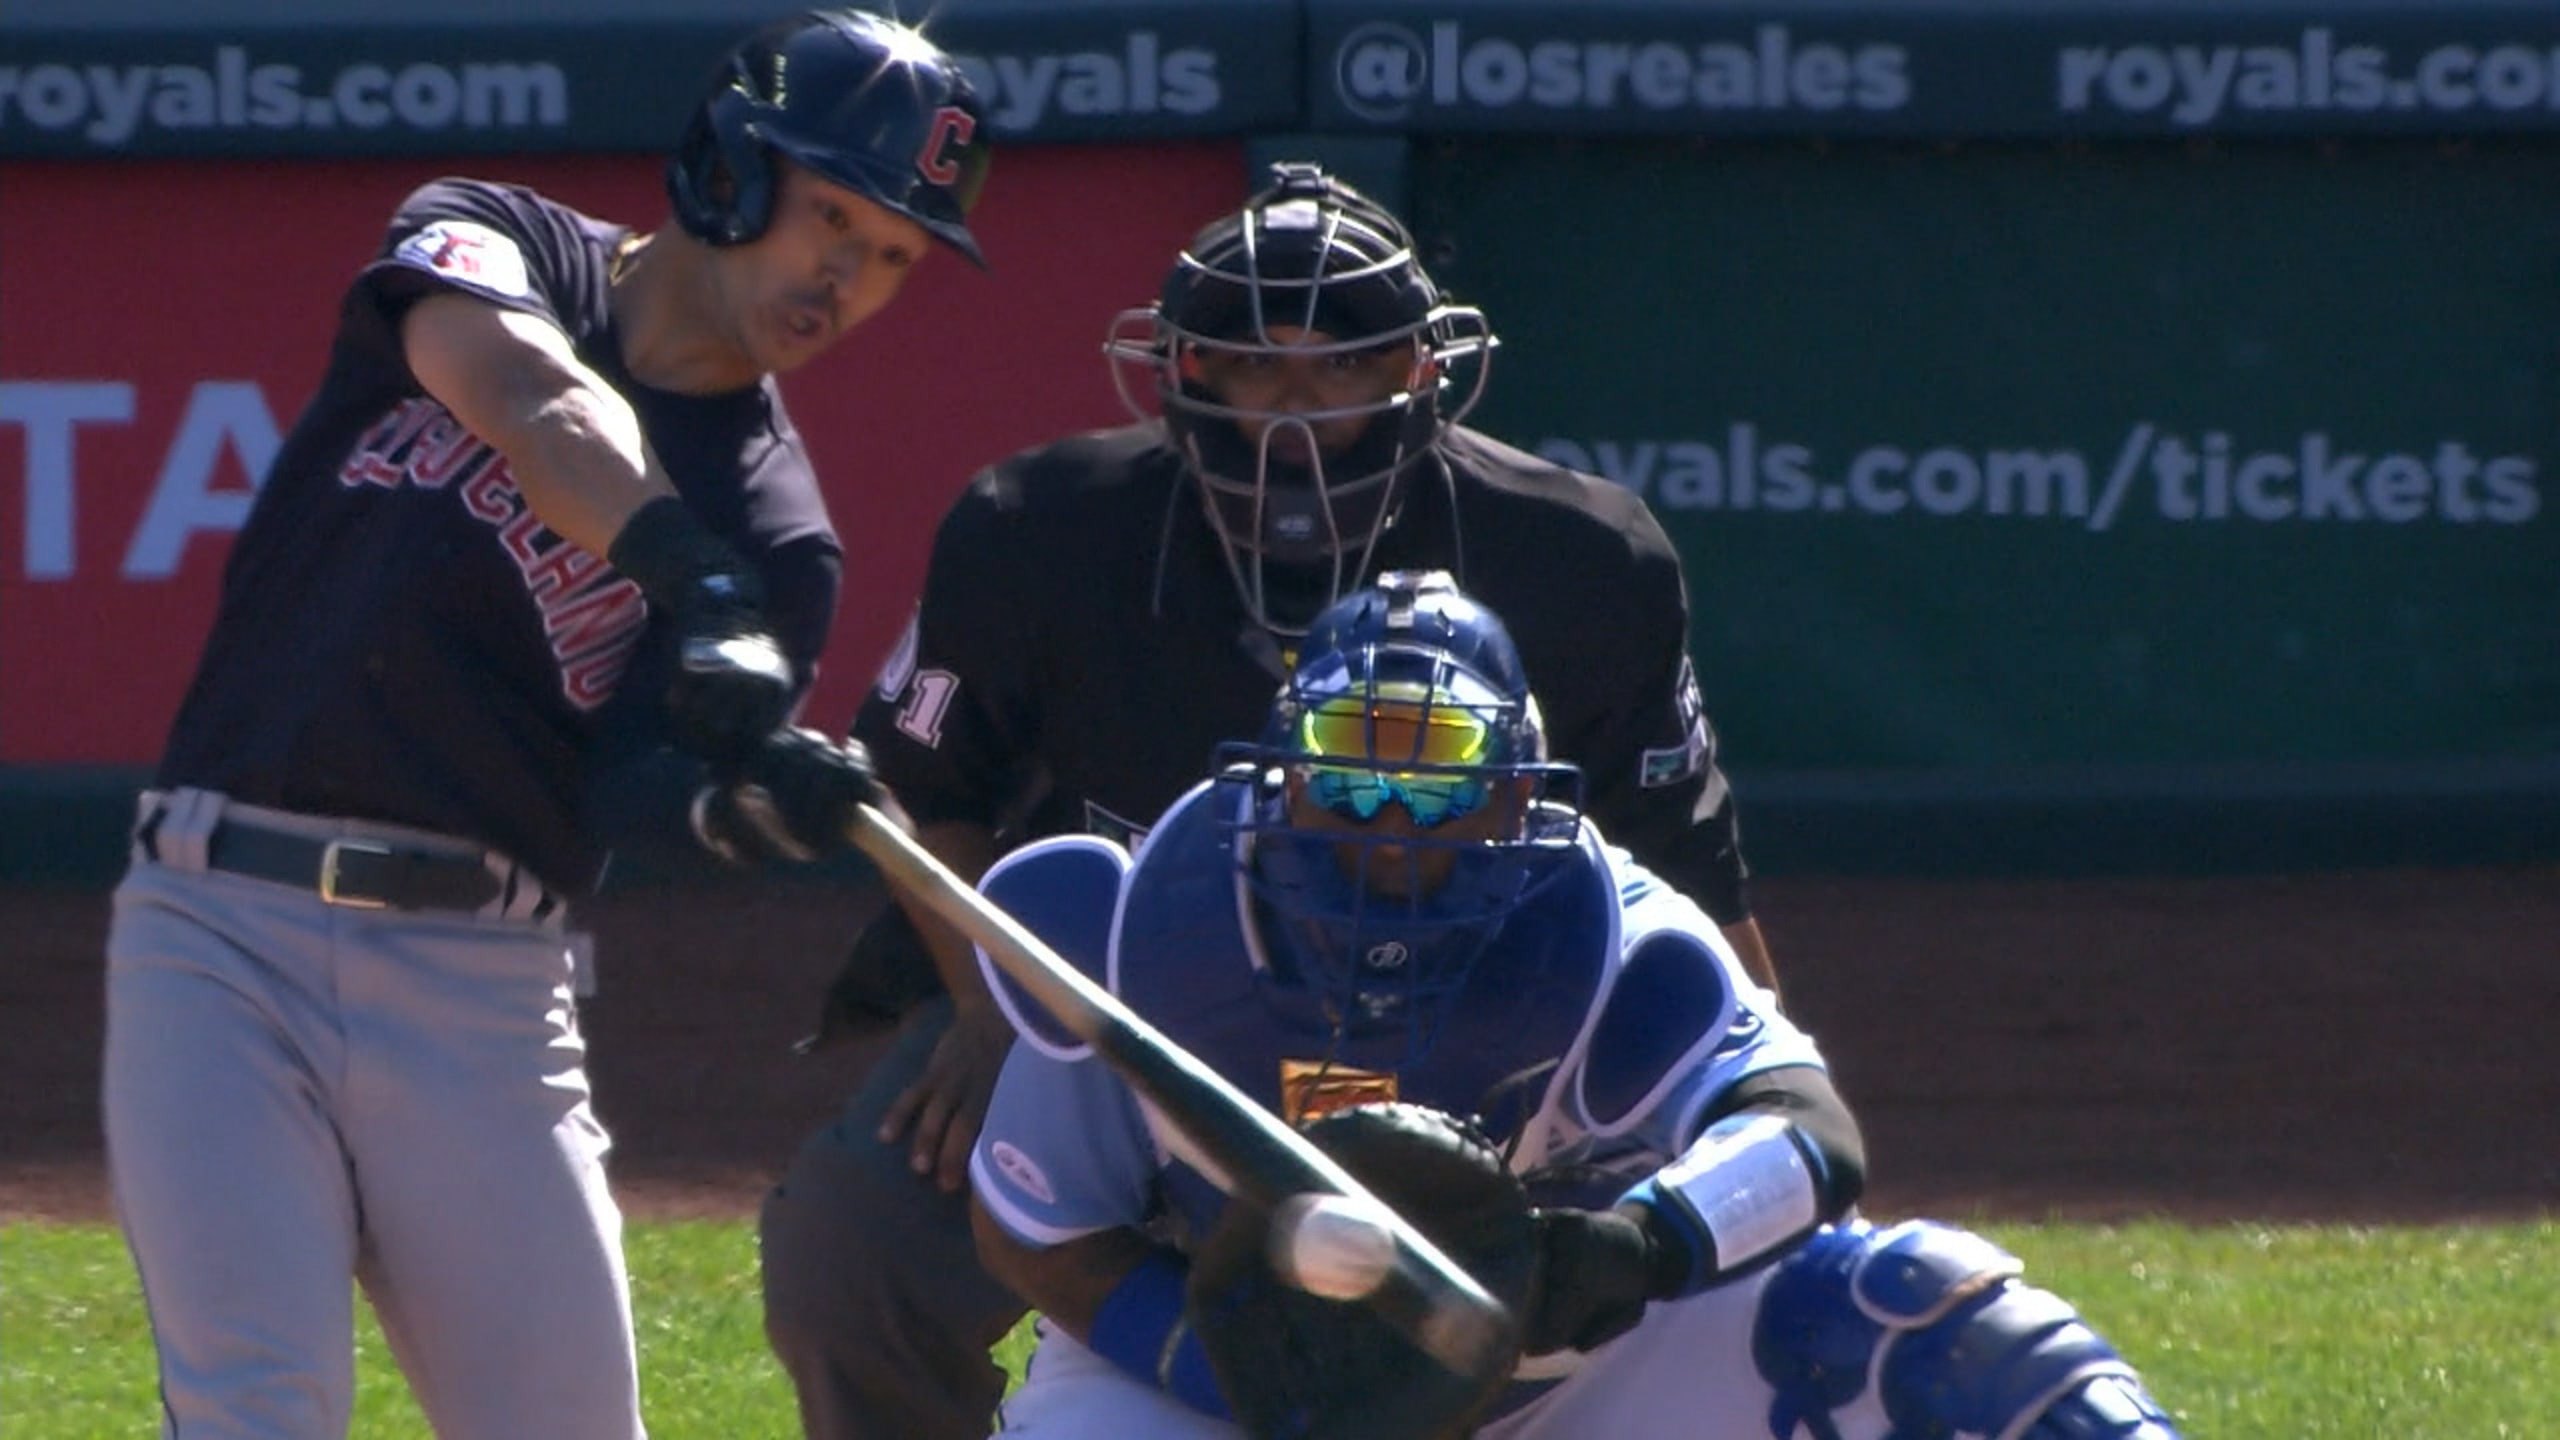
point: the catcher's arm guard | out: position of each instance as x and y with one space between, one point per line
1779 1156
1291 1364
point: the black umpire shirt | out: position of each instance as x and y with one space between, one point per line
1080 652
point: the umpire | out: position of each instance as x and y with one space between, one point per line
1099 612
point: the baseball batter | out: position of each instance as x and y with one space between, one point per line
540 569
1394 898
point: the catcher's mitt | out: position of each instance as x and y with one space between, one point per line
1296 1366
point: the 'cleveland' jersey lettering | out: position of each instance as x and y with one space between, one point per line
395 614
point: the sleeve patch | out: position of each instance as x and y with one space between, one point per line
468 253
923 697
1669 767
901 665
1674 763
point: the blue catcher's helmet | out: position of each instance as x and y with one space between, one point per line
1308 253
1403 804
858 99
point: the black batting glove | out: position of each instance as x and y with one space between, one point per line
1600 1268
732 684
792 798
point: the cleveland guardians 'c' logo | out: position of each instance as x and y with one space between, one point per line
951 126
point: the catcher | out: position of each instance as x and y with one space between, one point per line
1390 914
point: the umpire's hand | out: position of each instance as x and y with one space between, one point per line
792 798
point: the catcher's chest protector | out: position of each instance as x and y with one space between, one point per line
1183 960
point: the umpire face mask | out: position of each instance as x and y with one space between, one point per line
1301 444
1299 440
1305 367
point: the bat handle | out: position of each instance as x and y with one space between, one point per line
910 866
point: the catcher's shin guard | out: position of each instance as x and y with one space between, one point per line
1931 1325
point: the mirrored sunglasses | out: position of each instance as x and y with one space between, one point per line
1378 733
1431 800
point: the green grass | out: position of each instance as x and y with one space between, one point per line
2244 1331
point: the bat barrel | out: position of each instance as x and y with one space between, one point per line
1467 1330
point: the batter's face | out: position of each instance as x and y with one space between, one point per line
1334 393
829 261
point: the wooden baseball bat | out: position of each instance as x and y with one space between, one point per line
1424 1294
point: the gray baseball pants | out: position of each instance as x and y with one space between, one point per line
299 1095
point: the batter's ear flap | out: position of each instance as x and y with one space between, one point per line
720 189
746 171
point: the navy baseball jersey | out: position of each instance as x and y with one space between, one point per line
399 638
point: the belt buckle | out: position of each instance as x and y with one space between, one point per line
329 854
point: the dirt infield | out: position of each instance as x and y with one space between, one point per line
2360 1046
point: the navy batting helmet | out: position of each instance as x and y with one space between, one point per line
861 100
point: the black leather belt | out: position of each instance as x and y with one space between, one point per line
367 874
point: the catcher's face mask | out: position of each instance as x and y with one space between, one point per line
1406 807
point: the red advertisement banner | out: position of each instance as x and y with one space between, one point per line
161 323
